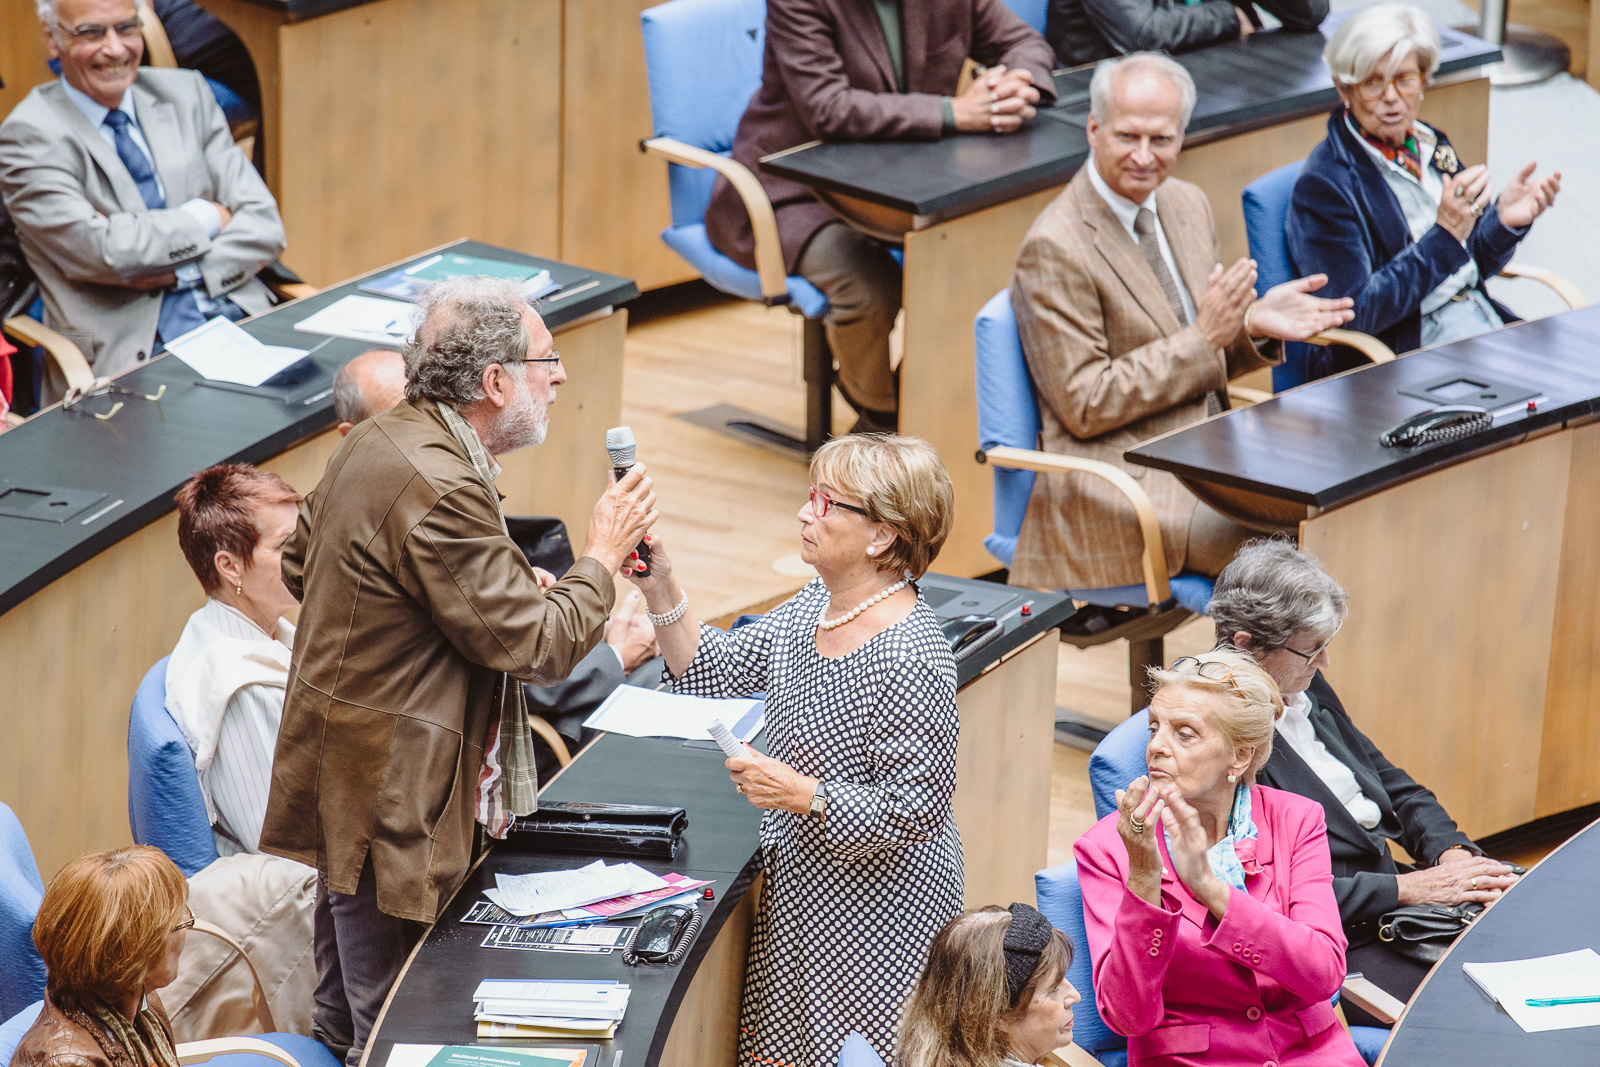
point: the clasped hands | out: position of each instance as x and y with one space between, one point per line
998 100
1287 312
1458 878
1143 811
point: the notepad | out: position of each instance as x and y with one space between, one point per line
1514 982
640 712
363 318
219 351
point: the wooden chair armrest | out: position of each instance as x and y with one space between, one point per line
1156 586
1564 288
156 44
296 290
201 1051
258 996
1366 344
1372 1000
1070 1056
66 354
557 743
1243 394
763 223
13 419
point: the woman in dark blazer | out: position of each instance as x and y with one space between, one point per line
1279 605
1386 209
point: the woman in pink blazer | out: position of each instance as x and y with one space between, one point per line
1208 899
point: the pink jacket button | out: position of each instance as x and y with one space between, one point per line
1237 947
1253 1013
1256 958
1154 951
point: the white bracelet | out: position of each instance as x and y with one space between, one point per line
670 617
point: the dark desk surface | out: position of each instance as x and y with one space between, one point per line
299 10
148 450
1262 79
1452 1022
432 1004
1318 444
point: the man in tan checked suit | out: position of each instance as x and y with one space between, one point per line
1132 328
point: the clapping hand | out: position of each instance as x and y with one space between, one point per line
1290 313
1522 200
1138 811
1466 194
1186 844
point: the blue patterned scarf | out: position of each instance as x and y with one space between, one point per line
1224 855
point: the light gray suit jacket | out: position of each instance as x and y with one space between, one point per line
85 228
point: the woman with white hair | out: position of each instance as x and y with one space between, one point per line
1279 605
1211 922
1388 211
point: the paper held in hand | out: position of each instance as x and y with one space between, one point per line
1513 983
648 713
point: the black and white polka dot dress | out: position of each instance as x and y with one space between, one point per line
850 904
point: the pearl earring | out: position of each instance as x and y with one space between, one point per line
872 552
1232 778
239 589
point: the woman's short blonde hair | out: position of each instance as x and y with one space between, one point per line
1381 34
1249 702
104 922
957 1015
902 484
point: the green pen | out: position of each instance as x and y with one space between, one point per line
1556 1002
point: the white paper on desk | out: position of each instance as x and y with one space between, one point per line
651 713
363 318
221 352
1514 982
531 894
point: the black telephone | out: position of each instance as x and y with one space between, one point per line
969 633
1443 423
663 936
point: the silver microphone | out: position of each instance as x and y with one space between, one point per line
622 448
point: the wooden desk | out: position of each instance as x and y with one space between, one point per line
1450 1021
1472 565
686 1015
962 205
87 607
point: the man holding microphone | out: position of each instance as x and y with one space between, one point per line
404 723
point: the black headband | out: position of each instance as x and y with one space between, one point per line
1025 940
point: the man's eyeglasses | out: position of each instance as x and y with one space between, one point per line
94 33
821 510
103 387
553 357
1373 88
187 924
1314 653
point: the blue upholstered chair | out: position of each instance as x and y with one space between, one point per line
21 970
1008 433
703 60
1266 207
22 974
858 1052
1032 12
165 806
1061 901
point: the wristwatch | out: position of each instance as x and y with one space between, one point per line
819 802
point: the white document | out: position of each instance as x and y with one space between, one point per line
1514 982
530 894
220 351
651 713
363 318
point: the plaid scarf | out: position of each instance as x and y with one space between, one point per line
1406 155
508 783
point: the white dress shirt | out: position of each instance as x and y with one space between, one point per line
1126 212
1295 727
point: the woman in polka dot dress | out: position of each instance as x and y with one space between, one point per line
861 857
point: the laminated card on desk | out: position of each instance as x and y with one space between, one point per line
649 713
411 282
1567 976
490 1056
219 351
363 318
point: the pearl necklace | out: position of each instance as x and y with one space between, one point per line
823 623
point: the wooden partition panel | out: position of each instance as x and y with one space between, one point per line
22 52
1003 766
614 201
1443 660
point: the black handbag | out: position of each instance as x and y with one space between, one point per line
1422 932
610 829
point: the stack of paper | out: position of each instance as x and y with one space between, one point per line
1526 989
532 894
640 712
220 351
506 1008
678 890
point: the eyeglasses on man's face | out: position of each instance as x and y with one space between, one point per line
94 33
820 510
1407 84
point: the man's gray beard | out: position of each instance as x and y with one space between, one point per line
520 425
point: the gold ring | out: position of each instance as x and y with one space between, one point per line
1137 824
1477 211
1461 191
1474 885
739 789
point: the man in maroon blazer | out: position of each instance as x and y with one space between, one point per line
863 70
